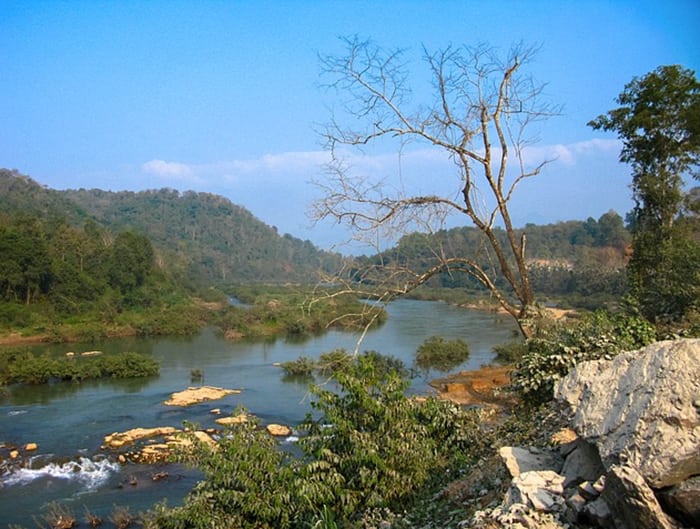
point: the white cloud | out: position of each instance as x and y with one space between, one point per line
569 154
165 169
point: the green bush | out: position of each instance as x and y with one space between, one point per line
368 446
551 356
443 355
27 368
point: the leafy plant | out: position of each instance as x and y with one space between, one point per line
443 355
121 517
367 447
597 336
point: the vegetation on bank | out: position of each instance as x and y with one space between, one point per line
368 451
28 368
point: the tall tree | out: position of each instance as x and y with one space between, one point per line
658 123
479 108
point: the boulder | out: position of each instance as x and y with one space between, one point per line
30 447
639 409
234 419
632 502
278 430
683 501
193 395
541 490
582 464
519 460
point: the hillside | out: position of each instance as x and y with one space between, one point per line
201 238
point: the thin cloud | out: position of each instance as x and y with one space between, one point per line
164 169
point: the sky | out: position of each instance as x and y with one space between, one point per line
226 97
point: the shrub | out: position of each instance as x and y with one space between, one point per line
443 355
596 336
368 447
25 367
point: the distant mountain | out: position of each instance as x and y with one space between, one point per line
204 238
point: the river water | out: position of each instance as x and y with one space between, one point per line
68 421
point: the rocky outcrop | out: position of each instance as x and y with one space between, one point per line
120 439
233 419
641 409
278 430
636 461
193 395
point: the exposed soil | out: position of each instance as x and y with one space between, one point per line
482 387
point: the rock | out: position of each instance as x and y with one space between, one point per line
30 447
215 411
588 491
683 501
14 454
638 409
542 490
599 484
153 453
91 353
117 440
519 460
582 464
279 430
576 503
193 395
632 502
564 436
70 354
234 419
597 513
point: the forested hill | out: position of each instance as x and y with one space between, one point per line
202 238
216 240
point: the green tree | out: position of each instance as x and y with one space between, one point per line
131 261
658 123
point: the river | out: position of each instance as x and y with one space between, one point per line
68 421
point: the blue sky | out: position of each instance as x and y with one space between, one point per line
223 96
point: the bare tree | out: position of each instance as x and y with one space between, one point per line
481 108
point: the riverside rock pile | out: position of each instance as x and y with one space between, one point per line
635 463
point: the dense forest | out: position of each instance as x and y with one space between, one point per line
581 261
199 238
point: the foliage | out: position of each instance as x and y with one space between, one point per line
59 517
27 368
437 353
338 360
295 312
368 447
121 517
658 123
582 262
547 358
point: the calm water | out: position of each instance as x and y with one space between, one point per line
68 421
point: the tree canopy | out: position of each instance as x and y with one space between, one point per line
658 122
